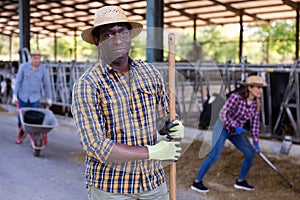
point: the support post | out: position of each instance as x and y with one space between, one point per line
24 26
155 23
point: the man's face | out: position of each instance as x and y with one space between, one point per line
35 59
115 41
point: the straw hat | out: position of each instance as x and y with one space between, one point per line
255 81
110 15
35 53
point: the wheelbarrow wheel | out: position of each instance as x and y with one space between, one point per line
38 143
36 152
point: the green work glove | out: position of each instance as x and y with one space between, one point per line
175 129
164 150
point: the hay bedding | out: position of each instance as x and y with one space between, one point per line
222 175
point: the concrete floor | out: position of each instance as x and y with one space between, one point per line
59 171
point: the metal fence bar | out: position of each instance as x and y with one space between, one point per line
193 80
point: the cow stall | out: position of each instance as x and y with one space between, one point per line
196 82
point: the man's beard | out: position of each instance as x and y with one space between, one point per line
120 59
115 59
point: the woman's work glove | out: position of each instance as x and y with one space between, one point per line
239 130
164 150
49 102
175 130
256 147
14 99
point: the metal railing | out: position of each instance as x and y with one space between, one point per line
196 81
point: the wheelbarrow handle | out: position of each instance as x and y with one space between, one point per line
17 105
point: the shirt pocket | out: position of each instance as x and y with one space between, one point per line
144 111
113 110
145 98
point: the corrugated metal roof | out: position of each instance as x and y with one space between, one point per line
66 16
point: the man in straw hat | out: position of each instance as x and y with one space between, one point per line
27 91
116 105
241 106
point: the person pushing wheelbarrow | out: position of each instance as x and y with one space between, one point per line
27 90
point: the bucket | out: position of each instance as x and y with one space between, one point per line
34 117
286 145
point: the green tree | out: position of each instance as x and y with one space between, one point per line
278 40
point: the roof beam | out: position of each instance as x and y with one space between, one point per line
192 17
291 4
237 11
205 12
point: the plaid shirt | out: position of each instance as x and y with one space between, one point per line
236 112
109 108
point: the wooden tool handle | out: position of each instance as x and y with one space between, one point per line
172 106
